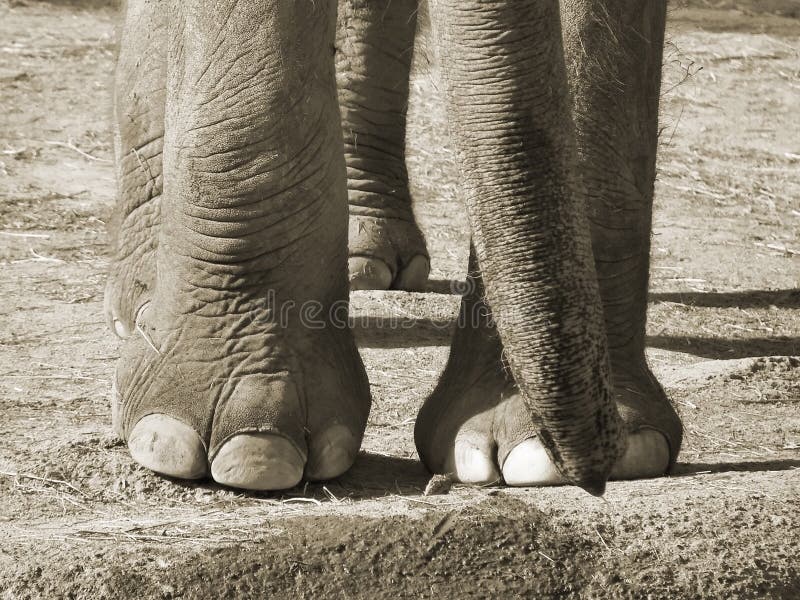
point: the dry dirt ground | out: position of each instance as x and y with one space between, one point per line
78 519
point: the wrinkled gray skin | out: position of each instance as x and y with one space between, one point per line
232 221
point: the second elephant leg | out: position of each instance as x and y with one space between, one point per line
375 43
508 110
475 425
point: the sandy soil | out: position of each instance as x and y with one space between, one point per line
79 519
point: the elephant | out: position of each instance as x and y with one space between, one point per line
255 140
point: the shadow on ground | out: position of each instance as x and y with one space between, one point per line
409 332
372 476
376 475
389 332
723 348
688 469
379 475
445 286
742 299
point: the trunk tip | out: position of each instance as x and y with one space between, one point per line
596 486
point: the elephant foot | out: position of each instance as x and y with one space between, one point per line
386 253
476 427
252 403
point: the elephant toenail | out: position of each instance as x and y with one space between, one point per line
331 453
473 464
529 464
120 329
414 275
647 455
168 446
258 461
368 273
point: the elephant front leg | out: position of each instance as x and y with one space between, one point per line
505 393
375 43
509 115
242 366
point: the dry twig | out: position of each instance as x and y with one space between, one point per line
73 147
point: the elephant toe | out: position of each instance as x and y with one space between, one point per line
331 453
369 273
168 446
120 329
528 464
472 461
647 455
114 319
414 275
258 461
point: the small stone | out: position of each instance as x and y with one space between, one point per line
439 484
110 440
777 520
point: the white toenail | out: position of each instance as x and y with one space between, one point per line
332 453
120 329
474 464
529 464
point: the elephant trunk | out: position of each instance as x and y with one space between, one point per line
509 114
